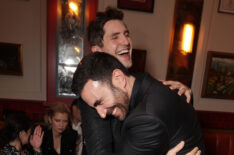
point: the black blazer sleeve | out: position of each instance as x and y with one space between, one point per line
97 131
145 134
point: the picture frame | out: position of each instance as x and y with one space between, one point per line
226 6
137 5
138 61
219 76
11 59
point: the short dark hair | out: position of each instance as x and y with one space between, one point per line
95 31
97 66
15 122
76 102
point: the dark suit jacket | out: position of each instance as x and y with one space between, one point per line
68 143
158 120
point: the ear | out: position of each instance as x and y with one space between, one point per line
119 79
49 119
96 49
21 134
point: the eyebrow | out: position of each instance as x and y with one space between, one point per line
127 31
115 34
96 103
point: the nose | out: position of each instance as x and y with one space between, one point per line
125 40
101 111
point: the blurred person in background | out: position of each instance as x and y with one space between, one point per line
17 133
77 123
59 138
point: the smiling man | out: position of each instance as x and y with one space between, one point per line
155 119
116 41
108 33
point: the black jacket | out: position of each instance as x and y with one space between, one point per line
68 143
158 120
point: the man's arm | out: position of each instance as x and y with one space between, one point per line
144 134
97 132
182 89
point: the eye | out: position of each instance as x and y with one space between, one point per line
126 34
97 103
114 37
65 121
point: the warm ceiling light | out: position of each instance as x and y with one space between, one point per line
187 40
73 7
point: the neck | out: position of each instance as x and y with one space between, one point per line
75 121
16 143
56 134
131 79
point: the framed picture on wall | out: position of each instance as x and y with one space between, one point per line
138 5
10 59
226 6
219 76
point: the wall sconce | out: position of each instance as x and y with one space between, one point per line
74 8
187 38
184 39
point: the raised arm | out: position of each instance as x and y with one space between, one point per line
36 139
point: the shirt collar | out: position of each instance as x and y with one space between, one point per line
135 89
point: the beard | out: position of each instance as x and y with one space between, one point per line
121 100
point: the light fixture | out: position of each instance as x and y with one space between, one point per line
74 7
187 38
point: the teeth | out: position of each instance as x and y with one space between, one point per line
123 51
114 112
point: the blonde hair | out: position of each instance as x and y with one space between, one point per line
57 107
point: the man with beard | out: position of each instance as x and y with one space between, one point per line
155 119
108 33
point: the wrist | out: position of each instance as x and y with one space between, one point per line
37 149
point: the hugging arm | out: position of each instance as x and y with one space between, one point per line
182 89
146 135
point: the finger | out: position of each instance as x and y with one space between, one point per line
176 149
194 151
31 139
39 129
36 130
173 87
179 146
181 91
170 83
188 95
198 152
42 134
161 80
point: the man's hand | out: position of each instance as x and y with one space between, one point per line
179 146
182 89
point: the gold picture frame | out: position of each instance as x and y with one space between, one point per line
219 76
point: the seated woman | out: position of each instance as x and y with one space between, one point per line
59 138
16 134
